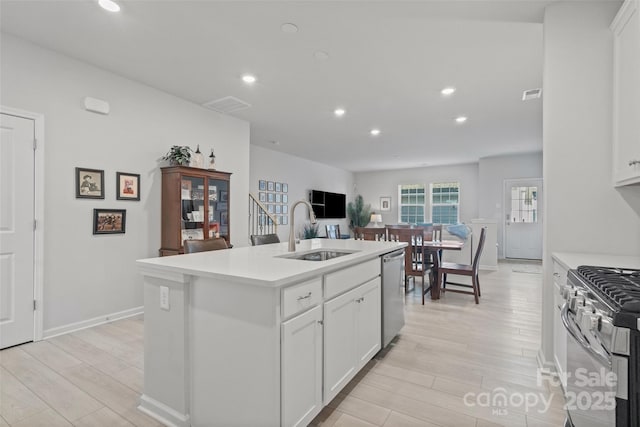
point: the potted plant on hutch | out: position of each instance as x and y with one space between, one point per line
178 155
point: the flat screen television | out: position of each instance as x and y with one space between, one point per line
328 205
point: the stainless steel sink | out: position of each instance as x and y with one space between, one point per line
320 255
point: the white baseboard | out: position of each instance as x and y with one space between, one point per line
84 324
546 366
163 413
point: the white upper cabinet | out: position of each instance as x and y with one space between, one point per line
626 94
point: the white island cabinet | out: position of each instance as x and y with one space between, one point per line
249 336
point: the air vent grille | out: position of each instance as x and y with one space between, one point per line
227 105
531 94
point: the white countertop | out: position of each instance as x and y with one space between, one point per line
262 266
571 260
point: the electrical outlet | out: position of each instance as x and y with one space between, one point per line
164 297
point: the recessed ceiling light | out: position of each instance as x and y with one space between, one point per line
375 132
109 5
461 119
289 28
339 112
321 55
448 91
249 79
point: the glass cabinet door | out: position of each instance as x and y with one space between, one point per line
193 208
218 208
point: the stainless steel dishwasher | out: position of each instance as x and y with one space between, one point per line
392 295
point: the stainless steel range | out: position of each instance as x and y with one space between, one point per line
602 316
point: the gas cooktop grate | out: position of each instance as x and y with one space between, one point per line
619 286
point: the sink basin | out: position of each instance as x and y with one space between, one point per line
320 255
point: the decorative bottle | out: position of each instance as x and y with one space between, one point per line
198 159
212 161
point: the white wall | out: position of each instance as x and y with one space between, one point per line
89 276
301 175
373 185
492 173
584 213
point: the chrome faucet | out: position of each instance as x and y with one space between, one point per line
312 218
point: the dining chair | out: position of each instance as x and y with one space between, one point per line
414 261
464 270
196 245
370 233
264 239
333 231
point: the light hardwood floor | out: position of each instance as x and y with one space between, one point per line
448 349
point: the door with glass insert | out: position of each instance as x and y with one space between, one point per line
523 218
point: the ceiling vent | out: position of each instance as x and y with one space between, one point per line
226 105
531 94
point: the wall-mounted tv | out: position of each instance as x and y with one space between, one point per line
328 205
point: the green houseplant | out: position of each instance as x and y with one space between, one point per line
178 155
310 231
359 213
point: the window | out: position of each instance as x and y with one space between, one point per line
445 203
524 204
412 200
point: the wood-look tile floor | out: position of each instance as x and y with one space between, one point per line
450 352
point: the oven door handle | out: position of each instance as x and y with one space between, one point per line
564 315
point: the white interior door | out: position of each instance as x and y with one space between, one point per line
523 218
16 230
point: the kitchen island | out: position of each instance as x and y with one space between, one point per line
258 336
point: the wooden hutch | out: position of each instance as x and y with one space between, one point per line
195 205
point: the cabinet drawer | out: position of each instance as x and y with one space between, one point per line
298 298
343 280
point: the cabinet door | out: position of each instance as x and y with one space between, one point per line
368 322
302 368
339 343
626 94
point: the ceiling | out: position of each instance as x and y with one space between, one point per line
388 61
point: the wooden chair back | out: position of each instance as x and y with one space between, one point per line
433 232
370 233
264 239
476 258
196 245
333 231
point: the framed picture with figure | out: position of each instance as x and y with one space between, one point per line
89 183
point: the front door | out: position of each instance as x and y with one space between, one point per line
16 230
523 218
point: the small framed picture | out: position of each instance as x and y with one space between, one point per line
271 197
278 198
270 186
285 188
128 186
278 209
278 187
262 185
285 209
89 183
263 197
385 204
109 221
224 196
285 198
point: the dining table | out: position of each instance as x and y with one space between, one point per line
435 248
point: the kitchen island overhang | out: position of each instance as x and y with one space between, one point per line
213 354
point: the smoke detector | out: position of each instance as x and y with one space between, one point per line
531 94
226 105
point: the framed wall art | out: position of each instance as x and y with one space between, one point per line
385 204
89 183
128 186
109 221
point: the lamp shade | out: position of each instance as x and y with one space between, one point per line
376 218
